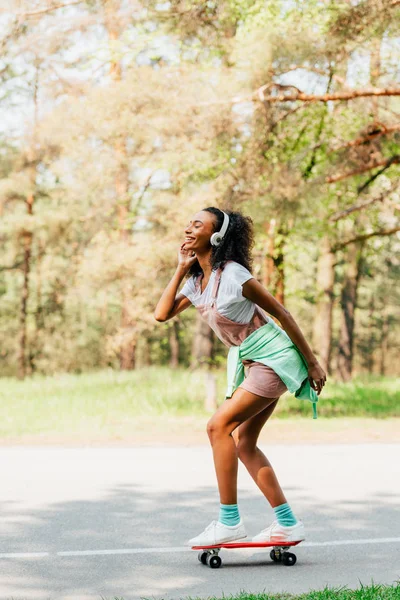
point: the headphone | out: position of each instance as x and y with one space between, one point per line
217 237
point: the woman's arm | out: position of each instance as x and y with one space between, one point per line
254 291
171 304
166 303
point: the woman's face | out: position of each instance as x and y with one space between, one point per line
199 230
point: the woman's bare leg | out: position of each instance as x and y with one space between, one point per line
255 461
233 412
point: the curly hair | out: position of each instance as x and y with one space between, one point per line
236 245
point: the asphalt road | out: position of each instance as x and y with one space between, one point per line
103 523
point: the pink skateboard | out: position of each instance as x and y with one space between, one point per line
208 555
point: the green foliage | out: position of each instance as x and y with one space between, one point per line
130 137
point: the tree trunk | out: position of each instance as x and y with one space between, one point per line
274 273
369 359
174 344
203 357
348 303
268 270
203 344
322 326
146 353
127 351
384 341
26 238
127 357
280 266
36 347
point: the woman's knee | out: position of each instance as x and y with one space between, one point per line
216 427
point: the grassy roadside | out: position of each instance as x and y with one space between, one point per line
191 431
364 592
158 403
367 592
372 592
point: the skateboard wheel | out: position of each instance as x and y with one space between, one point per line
275 557
202 556
289 559
214 561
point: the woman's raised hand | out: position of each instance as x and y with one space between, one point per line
186 257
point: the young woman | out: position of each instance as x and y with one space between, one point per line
217 254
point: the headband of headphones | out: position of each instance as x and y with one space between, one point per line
217 237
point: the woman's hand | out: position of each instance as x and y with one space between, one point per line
316 377
186 258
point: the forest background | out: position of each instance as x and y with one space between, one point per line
122 118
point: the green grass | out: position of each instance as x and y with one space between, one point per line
364 592
372 592
91 401
364 396
367 592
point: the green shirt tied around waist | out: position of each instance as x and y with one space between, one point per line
272 346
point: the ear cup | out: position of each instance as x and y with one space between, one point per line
218 236
215 239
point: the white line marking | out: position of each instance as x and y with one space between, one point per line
185 549
124 551
348 542
24 554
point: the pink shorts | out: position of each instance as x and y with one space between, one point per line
262 380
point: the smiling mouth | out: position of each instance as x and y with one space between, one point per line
189 239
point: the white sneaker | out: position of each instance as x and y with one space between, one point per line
218 533
281 533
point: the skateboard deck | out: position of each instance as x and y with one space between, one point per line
208 555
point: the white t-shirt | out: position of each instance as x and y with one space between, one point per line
230 301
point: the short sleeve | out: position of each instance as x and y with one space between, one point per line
237 275
188 289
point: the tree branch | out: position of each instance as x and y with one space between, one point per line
366 138
365 236
344 213
364 186
386 163
11 267
350 95
49 9
259 94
